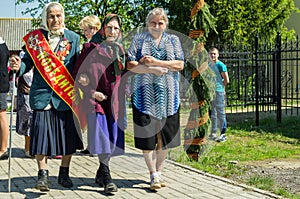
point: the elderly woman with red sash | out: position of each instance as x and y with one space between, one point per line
52 50
101 65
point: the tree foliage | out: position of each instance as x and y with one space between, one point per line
133 12
237 21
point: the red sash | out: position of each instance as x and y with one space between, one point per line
50 67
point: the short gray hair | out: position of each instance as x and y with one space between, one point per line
157 12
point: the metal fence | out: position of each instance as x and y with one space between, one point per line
263 78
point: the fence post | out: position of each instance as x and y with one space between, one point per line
278 77
256 83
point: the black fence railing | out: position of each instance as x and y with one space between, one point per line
263 78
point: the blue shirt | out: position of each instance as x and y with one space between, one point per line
218 68
157 96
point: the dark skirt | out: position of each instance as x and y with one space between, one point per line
54 133
105 136
146 129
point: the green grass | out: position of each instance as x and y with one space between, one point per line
261 182
245 143
286 193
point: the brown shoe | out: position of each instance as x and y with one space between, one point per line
155 184
162 182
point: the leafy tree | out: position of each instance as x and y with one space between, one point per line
238 21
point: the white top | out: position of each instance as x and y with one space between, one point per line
1 40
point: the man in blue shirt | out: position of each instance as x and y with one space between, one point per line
218 103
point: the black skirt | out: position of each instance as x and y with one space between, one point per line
146 129
54 133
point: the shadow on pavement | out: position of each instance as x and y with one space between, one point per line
26 186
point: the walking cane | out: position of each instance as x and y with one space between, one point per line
10 124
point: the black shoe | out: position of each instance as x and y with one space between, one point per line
42 183
103 178
99 177
64 178
4 156
85 152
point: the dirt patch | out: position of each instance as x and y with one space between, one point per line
284 173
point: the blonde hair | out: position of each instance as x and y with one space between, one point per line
157 12
90 21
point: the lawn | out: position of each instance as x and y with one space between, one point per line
245 143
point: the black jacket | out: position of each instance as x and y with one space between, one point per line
4 79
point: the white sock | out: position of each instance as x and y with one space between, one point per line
153 175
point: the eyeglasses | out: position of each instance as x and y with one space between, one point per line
154 24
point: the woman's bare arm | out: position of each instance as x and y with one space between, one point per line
172 65
137 67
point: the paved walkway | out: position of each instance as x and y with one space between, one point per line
129 173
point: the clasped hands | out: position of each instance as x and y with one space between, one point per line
151 62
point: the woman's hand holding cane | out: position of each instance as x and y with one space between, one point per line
15 62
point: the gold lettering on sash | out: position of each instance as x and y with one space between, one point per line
46 61
71 94
53 71
57 78
69 87
63 83
41 55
